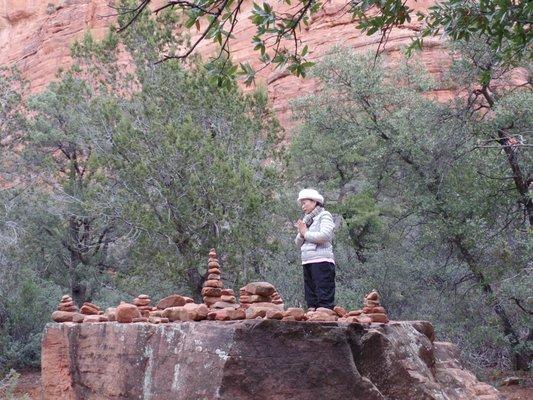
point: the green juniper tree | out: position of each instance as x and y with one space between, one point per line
405 169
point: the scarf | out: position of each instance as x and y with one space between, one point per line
308 218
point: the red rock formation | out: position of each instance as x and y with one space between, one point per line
253 359
37 34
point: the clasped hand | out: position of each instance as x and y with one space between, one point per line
302 227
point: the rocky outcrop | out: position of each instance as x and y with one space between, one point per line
36 35
253 359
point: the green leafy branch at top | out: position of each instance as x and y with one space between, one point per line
506 25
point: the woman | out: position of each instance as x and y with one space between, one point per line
315 233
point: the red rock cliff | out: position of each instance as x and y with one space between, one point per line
253 359
36 35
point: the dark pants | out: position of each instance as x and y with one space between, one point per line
319 283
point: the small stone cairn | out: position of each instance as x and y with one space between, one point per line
261 300
143 304
66 304
372 312
92 313
65 310
373 309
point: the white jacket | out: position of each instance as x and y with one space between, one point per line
317 241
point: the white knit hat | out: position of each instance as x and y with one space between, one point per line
311 194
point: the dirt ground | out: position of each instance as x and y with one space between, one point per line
30 384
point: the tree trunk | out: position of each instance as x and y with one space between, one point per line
521 358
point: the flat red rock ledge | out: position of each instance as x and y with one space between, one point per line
253 359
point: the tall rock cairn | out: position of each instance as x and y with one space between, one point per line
213 286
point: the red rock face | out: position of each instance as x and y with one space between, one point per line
37 34
253 359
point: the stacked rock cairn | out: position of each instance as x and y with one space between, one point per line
261 300
65 310
258 300
213 292
222 302
373 309
92 313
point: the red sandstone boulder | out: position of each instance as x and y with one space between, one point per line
253 359
174 300
89 310
62 316
125 313
260 288
188 312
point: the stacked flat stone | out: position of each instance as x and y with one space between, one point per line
213 286
257 298
90 309
66 304
66 310
92 313
174 300
373 309
227 300
143 304
187 312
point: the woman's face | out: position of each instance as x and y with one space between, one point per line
308 205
